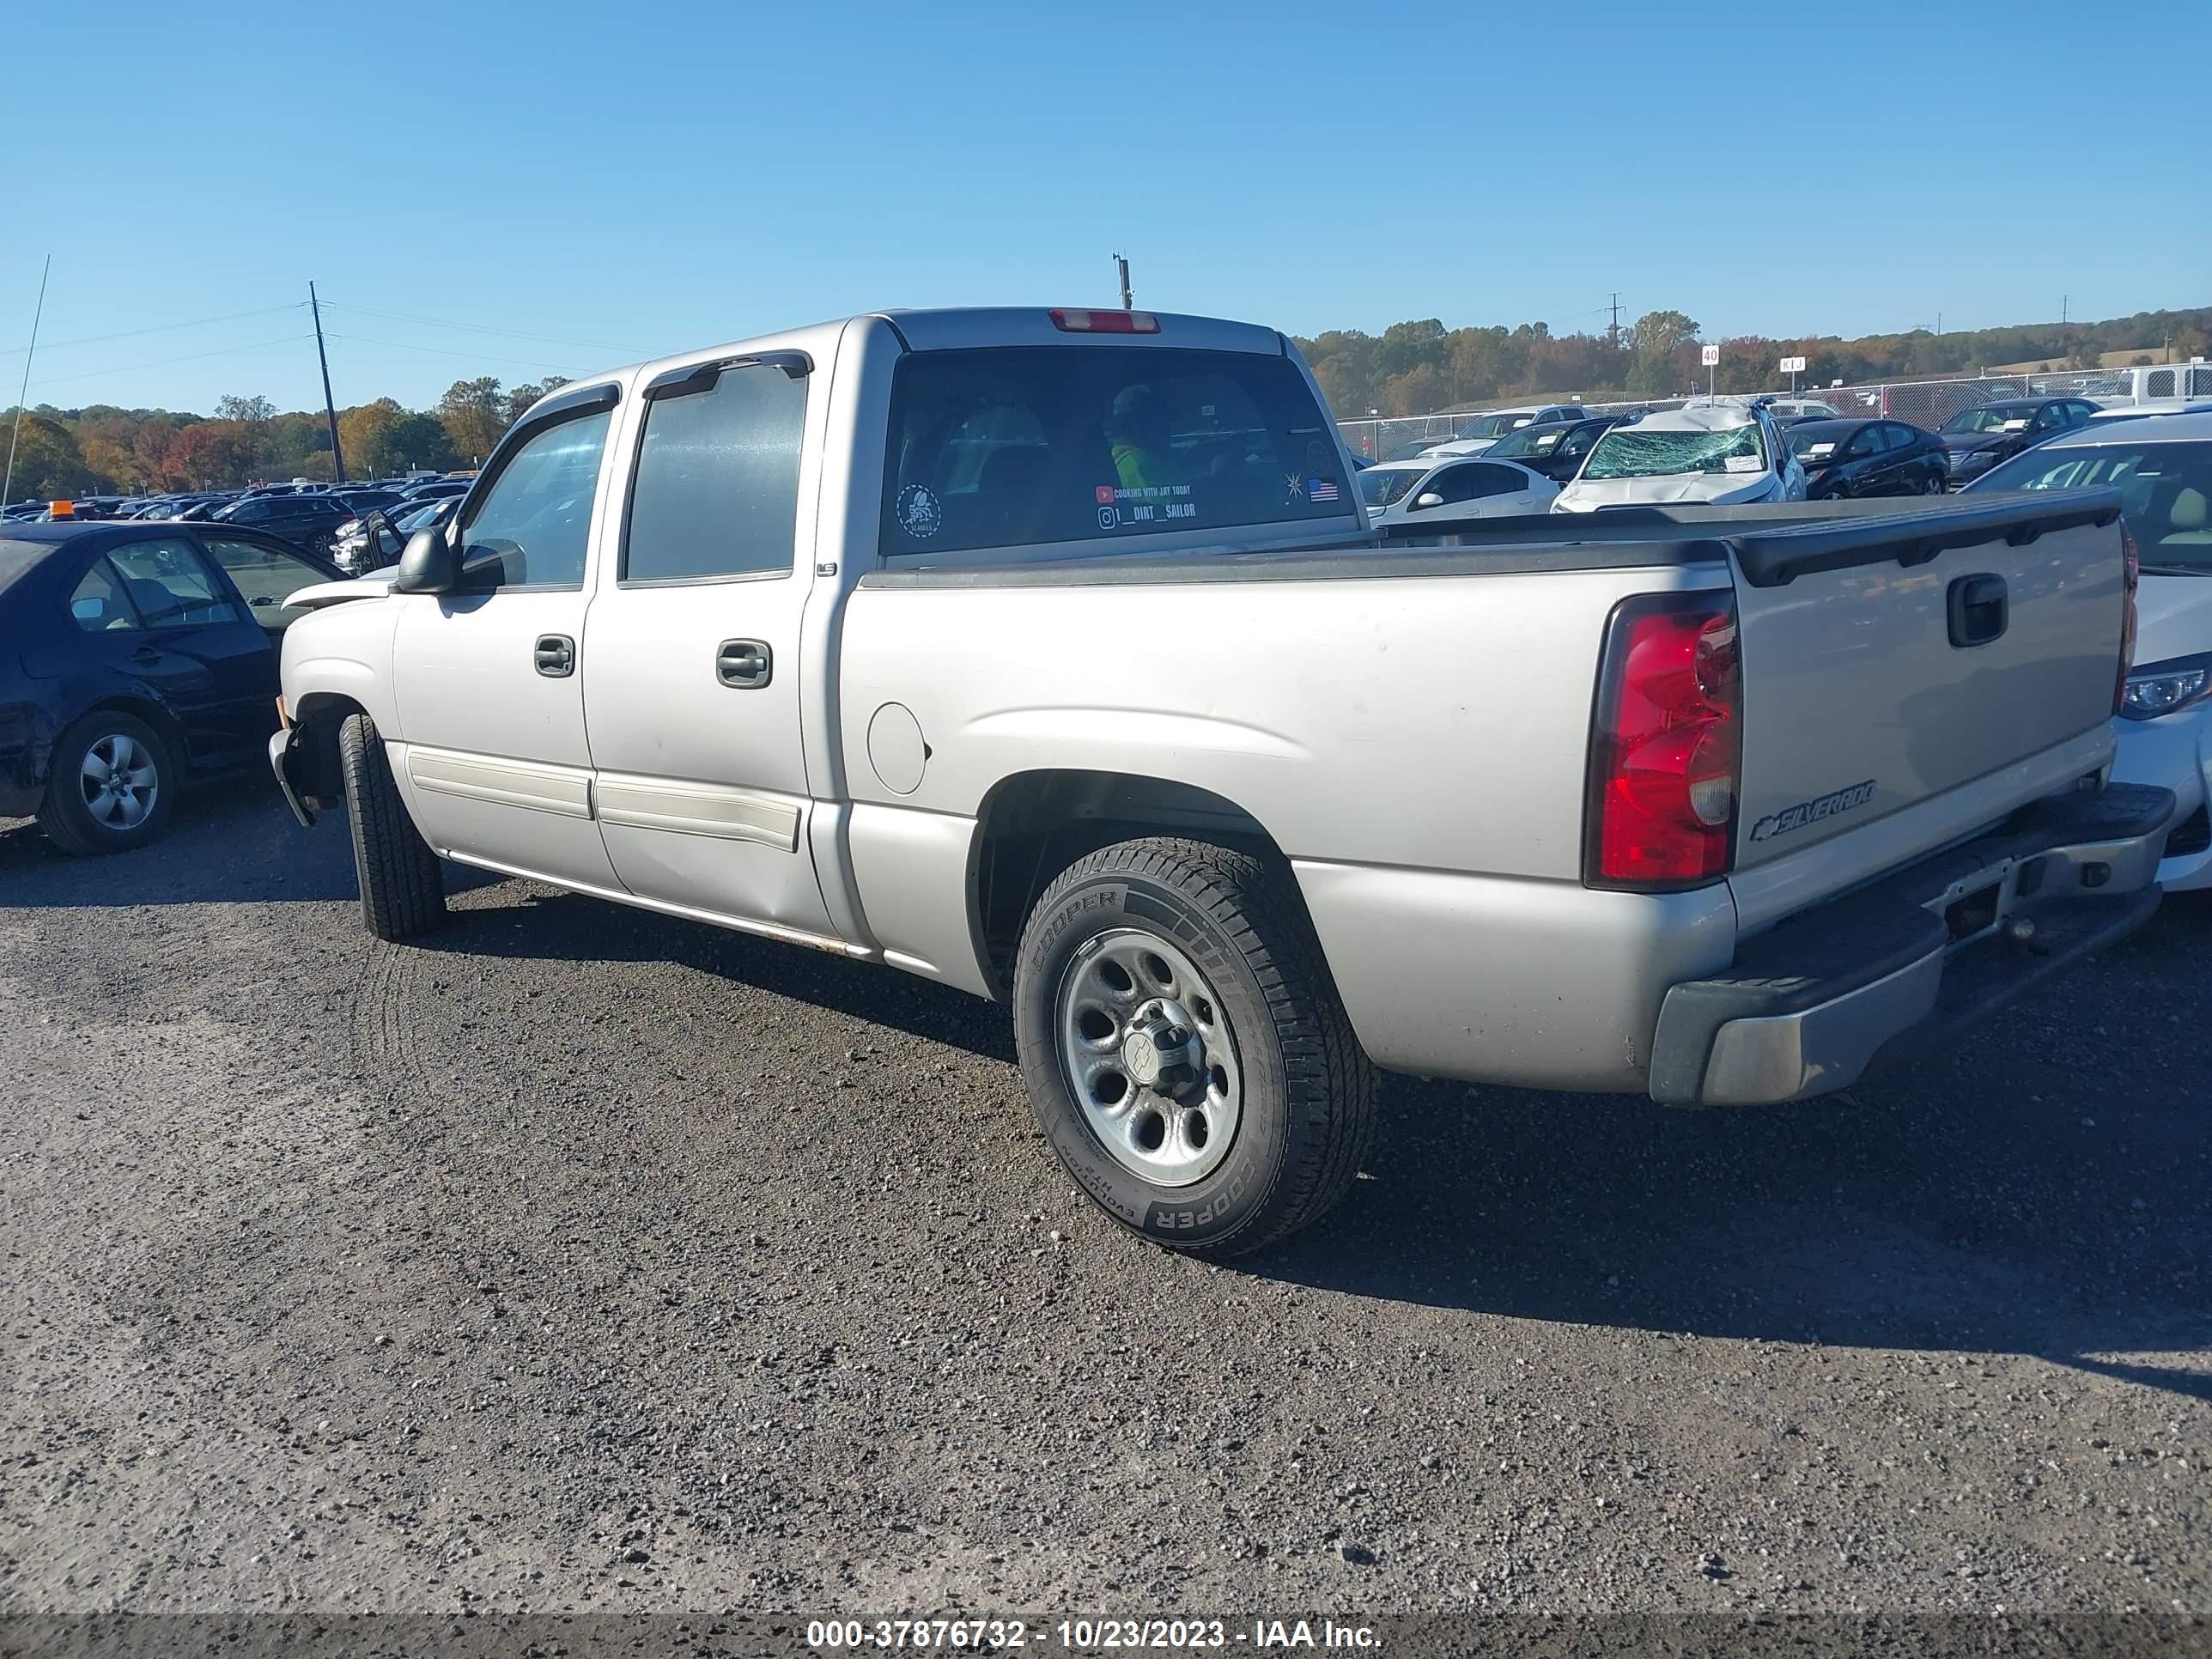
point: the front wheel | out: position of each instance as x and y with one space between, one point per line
1184 1047
1935 486
402 891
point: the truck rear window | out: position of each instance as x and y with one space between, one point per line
1016 445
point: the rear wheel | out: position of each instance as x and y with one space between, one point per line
1184 1047
1935 486
402 891
112 785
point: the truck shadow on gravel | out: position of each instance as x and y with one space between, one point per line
2040 1187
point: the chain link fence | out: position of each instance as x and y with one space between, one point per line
1926 403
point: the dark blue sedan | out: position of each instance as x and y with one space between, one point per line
134 657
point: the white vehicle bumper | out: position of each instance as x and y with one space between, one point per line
2175 752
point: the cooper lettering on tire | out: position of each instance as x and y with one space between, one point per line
1184 1047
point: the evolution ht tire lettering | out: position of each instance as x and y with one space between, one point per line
1812 811
1233 1033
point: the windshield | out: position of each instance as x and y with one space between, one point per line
1528 441
1638 452
1379 486
1817 442
1990 417
2165 492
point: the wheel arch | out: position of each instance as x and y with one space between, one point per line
1032 825
314 753
166 726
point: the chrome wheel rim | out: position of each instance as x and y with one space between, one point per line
1148 1051
118 782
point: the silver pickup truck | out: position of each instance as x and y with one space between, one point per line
1047 653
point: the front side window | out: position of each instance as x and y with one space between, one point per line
717 487
170 584
533 525
1018 445
267 578
1640 452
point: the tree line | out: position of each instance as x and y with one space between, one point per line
103 449
1421 367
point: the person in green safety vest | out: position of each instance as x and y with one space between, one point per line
1137 427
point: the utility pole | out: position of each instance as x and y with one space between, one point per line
2065 351
330 409
10 483
1613 333
1129 300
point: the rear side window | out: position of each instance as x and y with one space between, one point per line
534 523
1010 447
717 488
171 586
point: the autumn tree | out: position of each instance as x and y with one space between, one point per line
47 463
474 414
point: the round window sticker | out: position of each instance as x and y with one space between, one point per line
919 512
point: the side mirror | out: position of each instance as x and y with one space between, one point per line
1428 498
429 564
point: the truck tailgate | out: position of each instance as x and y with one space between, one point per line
1921 658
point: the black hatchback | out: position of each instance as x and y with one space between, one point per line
1867 458
135 656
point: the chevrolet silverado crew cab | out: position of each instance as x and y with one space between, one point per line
1047 653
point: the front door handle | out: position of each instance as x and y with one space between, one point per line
555 655
744 665
1977 607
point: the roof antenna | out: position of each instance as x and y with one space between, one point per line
1129 300
9 482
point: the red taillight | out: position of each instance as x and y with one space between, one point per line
1104 322
1665 745
2131 579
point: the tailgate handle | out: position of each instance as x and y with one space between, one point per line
1977 608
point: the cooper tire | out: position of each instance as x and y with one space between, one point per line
112 785
402 891
1232 925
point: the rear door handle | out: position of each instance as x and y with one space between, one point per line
1977 608
744 665
555 655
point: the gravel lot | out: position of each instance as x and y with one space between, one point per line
588 1258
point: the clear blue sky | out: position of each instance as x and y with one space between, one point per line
652 175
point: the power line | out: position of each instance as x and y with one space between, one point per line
479 328
161 362
159 328
441 351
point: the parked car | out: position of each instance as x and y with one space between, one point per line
376 541
1975 439
2162 467
309 518
1788 410
144 656
1555 449
1473 436
1026 701
1437 492
1867 458
1722 452
436 489
367 500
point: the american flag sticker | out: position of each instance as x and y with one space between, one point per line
1321 490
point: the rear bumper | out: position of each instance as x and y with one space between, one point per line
285 761
1806 1006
